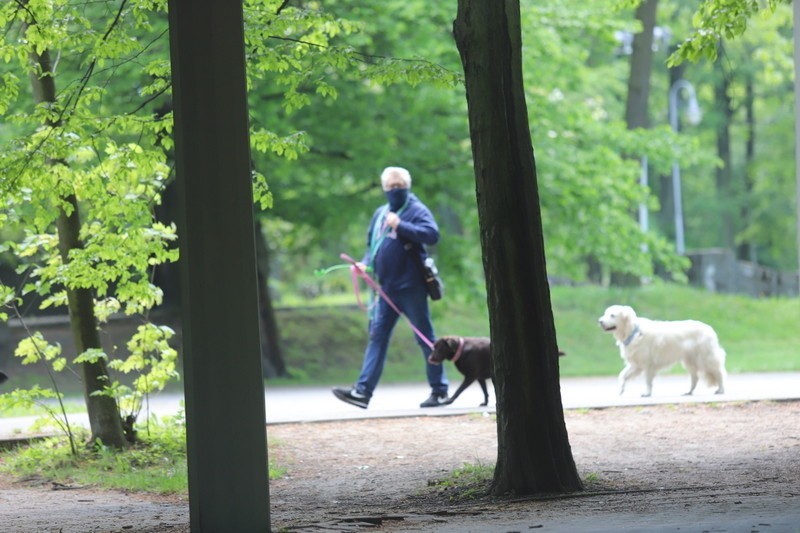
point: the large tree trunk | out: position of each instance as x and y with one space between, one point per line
533 454
104 417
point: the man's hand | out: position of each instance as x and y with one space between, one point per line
392 220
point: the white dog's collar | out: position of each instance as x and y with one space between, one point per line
636 331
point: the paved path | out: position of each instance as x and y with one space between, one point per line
310 404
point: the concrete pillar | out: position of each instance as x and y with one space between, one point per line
225 419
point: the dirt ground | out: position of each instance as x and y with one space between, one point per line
688 467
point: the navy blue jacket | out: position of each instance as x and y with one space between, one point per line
395 267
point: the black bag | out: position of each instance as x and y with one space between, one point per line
433 282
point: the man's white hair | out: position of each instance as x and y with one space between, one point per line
404 174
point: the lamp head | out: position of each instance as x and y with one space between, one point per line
694 114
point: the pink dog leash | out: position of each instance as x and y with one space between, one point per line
356 273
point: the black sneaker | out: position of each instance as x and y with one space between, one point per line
435 400
3 377
352 396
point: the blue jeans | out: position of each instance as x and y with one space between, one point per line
413 302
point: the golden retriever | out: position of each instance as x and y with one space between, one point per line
652 345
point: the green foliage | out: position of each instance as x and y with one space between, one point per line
8 298
152 360
27 400
720 19
302 54
14 410
586 182
70 149
34 349
587 161
43 400
156 464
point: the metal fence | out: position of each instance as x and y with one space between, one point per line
718 270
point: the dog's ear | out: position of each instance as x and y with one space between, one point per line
626 321
444 346
452 343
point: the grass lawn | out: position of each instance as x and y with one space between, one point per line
325 345
324 339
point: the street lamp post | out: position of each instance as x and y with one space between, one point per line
693 114
644 223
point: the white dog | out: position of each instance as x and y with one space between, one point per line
651 345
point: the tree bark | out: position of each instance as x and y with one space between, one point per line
271 351
637 102
534 454
746 250
636 105
104 417
724 179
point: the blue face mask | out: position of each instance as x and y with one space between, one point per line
397 198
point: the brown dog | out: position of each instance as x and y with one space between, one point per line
472 357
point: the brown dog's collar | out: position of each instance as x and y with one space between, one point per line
459 350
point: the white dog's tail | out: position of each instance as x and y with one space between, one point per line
714 373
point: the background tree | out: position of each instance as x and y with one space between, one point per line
638 96
757 63
638 99
533 448
763 61
724 175
102 409
92 256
